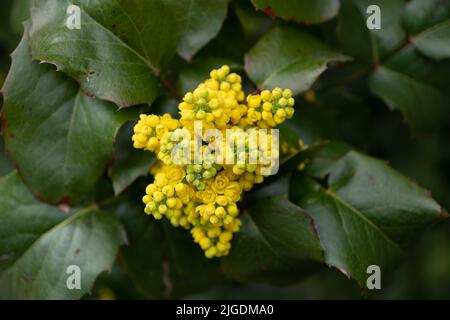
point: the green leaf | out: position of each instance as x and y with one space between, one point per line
429 21
254 24
336 115
129 163
6 166
277 243
117 66
162 261
369 184
142 259
289 58
370 45
300 10
200 21
8 36
415 86
189 270
20 12
435 42
351 241
421 15
147 26
59 138
364 210
42 245
23 218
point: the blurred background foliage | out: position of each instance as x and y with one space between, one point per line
337 113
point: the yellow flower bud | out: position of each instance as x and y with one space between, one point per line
266 95
254 101
214 232
225 86
281 113
211 252
146 199
205 243
214 74
287 93
226 236
233 210
150 189
171 203
158 196
162 209
276 93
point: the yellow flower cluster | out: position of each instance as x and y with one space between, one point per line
203 196
150 129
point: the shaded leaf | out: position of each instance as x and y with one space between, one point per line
277 243
415 86
200 21
129 163
335 115
162 261
364 210
20 12
300 10
254 24
435 42
290 58
429 22
421 15
370 45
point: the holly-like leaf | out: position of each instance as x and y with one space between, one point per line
23 218
129 163
119 65
370 45
59 138
416 86
277 243
364 210
147 26
369 184
43 244
162 261
429 22
200 21
289 58
351 241
300 10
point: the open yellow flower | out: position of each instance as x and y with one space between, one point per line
220 183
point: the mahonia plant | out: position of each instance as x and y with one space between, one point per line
203 195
